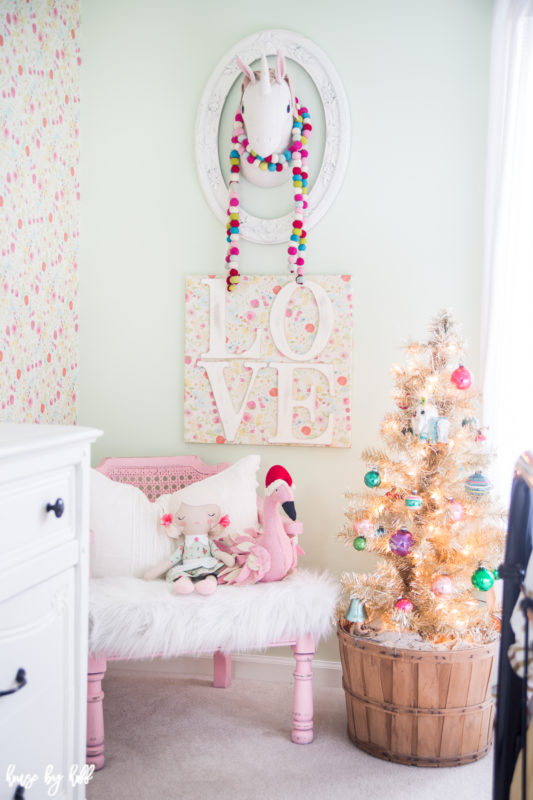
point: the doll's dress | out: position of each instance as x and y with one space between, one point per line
194 558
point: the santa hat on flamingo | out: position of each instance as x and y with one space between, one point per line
277 476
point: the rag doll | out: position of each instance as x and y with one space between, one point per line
197 560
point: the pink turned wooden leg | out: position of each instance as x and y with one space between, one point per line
95 712
302 710
222 670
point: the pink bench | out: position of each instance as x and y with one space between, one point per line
303 602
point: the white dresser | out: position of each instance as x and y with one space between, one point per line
44 544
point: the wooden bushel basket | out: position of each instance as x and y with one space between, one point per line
418 707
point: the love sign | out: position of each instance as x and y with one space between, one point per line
269 363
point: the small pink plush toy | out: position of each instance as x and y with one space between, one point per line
197 560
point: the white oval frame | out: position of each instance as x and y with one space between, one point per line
337 140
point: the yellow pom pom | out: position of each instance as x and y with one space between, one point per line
234 279
231 288
263 165
303 139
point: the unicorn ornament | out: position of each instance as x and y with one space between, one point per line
428 425
269 141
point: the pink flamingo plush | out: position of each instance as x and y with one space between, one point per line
279 536
271 553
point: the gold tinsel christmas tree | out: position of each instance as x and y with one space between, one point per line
427 510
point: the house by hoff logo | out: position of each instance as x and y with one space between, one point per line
78 774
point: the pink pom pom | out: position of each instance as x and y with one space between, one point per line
299 262
298 197
234 251
304 153
250 159
234 140
292 251
238 117
224 521
292 259
234 201
166 520
296 146
300 270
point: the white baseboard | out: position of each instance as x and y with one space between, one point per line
326 674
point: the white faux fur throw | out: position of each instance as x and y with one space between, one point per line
133 618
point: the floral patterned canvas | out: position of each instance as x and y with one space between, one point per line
39 209
269 363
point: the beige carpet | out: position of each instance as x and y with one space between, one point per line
173 738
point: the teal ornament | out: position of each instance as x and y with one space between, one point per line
483 579
380 531
413 501
477 485
359 543
372 478
356 612
496 574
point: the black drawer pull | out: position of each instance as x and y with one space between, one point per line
20 680
57 508
19 793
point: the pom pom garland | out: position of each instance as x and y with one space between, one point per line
294 157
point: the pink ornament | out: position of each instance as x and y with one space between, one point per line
364 527
442 586
403 604
461 378
455 510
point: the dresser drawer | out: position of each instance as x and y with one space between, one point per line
26 527
37 634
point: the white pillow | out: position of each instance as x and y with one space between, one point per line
128 538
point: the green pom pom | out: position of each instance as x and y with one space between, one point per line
483 579
372 479
359 543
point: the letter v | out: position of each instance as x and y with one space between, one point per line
230 418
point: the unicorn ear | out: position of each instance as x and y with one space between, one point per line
246 69
280 66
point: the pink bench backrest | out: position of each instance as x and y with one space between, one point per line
159 475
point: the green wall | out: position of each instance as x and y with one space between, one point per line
407 223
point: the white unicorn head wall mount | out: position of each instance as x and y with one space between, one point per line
268 145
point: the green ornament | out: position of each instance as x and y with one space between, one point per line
483 579
413 501
372 478
359 543
356 611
